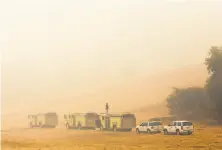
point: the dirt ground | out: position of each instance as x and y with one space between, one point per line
61 139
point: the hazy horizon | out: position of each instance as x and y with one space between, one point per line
65 54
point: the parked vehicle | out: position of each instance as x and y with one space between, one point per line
123 121
179 127
69 121
81 120
43 120
149 127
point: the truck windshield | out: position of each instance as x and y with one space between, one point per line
129 116
155 124
187 124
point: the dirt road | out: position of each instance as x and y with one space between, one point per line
62 139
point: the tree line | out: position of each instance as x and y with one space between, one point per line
200 102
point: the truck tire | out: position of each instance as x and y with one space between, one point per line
148 131
101 128
67 126
137 131
40 125
177 132
114 129
79 126
165 132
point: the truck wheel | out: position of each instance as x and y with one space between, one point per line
114 129
67 126
178 132
148 131
137 131
40 124
101 128
130 130
79 126
165 132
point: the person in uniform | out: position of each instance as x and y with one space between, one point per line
107 108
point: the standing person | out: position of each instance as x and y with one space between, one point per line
107 108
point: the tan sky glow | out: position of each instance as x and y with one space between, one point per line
63 53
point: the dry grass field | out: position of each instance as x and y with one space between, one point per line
61 139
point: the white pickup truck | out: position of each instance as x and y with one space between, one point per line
179 127
149 127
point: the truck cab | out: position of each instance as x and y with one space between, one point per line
81 120
69 121
42 120
32 120
149 127
119 121
179 127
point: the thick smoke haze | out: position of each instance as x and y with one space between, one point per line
69 55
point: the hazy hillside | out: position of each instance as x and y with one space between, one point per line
143 95
152 89
184 77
